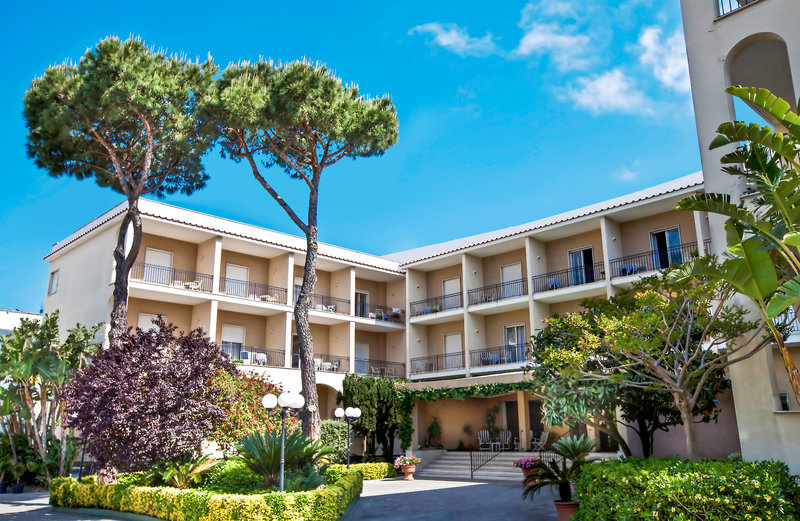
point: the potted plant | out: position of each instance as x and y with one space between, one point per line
16 470
527 465
5 466
560 472
408 464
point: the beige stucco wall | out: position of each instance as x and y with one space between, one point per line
258 268
339 340
436 278
323 286
495 326
375 290
376 342
492 265
558 250
276 337
280 272
184 254
255 327
327 401
437 332
396 293
453 416
395 347
636 234
561 308
782 382
177 314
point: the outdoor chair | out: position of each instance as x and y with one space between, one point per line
505 439
484 440
539 443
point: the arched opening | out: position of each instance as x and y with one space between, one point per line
327 401
762 60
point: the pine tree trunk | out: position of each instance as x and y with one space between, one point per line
311 419
122 267
688 426
645 436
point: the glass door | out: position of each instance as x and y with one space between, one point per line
581 267
515 344
666 248
362 301
451 293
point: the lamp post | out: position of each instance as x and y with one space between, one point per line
290 404
350 415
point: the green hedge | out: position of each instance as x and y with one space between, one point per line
173 504
674 489
370 470
233 477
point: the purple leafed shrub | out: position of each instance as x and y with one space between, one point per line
148 399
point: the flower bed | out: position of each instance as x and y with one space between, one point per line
370 470
674 489
327 504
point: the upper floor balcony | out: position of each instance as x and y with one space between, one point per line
729 6
575 276
380 367
444 363
172 277
249 355
380 312
496 292
501 358
653 260
252 291
436 304
329 304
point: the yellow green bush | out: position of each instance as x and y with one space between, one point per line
371 471
327 504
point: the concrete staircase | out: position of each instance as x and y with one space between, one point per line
455 465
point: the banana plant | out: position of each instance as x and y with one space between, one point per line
762 261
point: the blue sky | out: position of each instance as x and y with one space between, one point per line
508 113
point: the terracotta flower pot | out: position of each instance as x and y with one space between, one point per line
408 470
565 509
527 472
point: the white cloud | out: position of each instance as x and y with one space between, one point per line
625 174
666 58
609 92
567 50
457 40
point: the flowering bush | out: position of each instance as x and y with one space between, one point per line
527 463
406 460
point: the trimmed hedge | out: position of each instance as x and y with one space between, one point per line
233 477
674 489
370 470
327 504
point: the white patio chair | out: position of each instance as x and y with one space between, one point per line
505 440
484 440
538 444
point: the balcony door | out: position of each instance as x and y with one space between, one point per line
158 266
298 283
452 351
233 341
362 302
581 266
236 278
451 293
515 343
362 358
511 278
666 248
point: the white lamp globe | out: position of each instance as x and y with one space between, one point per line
348 412
356 412
298 401
285 400
269 401
339 412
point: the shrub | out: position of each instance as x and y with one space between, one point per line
370 471
232 477
674 489
334 434
262 454
173 504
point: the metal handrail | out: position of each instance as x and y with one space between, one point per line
652 260
381 312
507 354
327 303
729 6
166 276
504 290
254 355
326 363
380 367
435 304
569 277
479 458
436 363
252 290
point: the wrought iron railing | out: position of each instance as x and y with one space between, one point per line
569 277
790 319
379 312
329 304
252 290
380 367
166 276
254 355
504 290
479 458
653 260
508 354
436 363
435 304
729 6
326 363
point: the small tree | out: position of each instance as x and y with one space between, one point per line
36 367
127 117
681 333
148 398
302 119
381 409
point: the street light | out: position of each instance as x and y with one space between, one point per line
290 403
350 415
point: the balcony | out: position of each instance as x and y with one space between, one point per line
254 355
326 363
173 277
654 260
435 304
380 367
790 320
569 277
380 312
489 357
437 363
329 304
252 291
495 292
729 6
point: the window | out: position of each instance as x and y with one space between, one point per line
233 341
157 266
145 322
451 293
666 248
52 284
452 351
581 266
511 278
236 278
783 398
362 304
